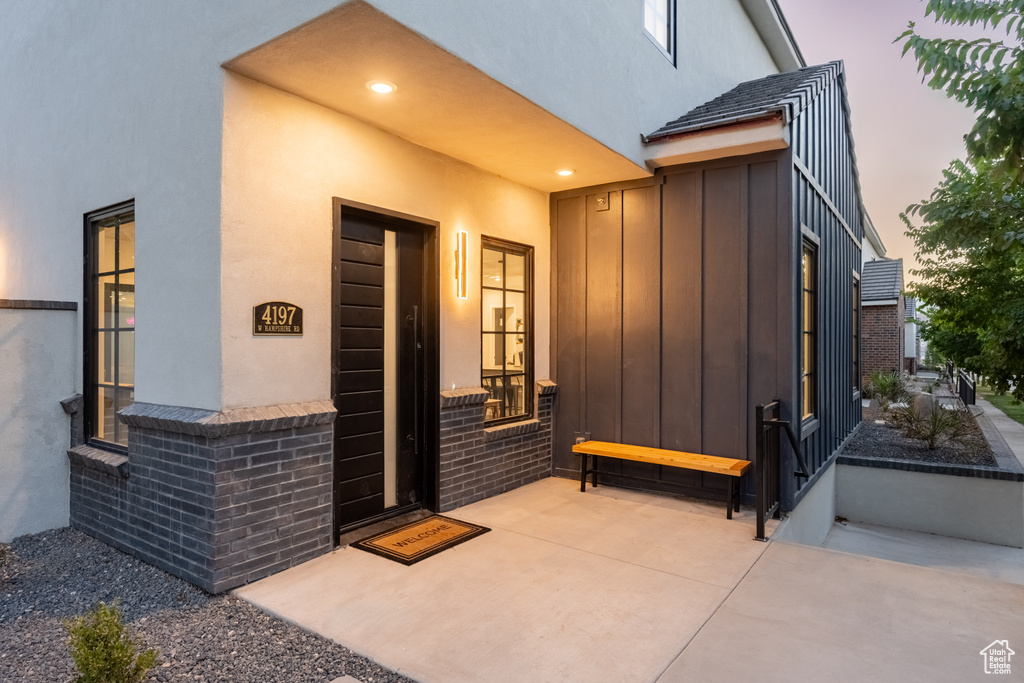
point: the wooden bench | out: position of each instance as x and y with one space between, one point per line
730 467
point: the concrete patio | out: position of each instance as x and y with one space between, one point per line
615 585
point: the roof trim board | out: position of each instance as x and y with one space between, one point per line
748 137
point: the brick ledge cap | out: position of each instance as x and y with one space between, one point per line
510 430
112 464
216 424
466 396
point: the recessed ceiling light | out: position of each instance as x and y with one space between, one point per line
382 87
566 171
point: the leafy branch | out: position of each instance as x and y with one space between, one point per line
985 74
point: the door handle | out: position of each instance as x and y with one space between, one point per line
414 437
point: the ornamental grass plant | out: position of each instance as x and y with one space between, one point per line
935 425
887 388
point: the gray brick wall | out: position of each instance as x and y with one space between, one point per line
218 511
478 462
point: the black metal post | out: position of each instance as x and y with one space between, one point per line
759 466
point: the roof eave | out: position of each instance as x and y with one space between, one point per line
735 123
767 17
764 134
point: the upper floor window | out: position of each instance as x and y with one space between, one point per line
809 332
109 322
506 295
660 25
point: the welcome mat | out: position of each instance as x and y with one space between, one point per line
411 543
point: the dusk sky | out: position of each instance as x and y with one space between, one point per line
905 133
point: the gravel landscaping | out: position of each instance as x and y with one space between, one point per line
883 441
61 573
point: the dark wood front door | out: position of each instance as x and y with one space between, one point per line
379 368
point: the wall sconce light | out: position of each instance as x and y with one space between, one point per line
461 290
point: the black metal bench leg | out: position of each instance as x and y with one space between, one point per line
738 481
583 472
729 499
593 475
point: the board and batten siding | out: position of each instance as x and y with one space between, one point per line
826 202
673 314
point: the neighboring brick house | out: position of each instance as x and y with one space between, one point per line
883 316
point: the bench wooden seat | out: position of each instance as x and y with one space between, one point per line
730 467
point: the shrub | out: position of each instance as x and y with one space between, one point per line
103 649
935 425
887 388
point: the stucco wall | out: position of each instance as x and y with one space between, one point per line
37 371
284 159
591 64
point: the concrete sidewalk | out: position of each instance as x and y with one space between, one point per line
614 585
1011 430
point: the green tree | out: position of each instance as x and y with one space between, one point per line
971 253
970 239
985 74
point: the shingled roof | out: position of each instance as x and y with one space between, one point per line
786 94
881 280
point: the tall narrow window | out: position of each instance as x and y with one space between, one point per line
855 341
660 24
109 322
808 353
506 295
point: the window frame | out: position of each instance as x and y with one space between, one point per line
855 334
527 252
90 322
668 51
809 379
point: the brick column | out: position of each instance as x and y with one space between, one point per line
217 498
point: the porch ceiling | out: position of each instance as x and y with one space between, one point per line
442 102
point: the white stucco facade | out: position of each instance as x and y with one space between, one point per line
284 159
872 248
37 372
910 331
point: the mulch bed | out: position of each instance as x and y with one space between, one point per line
886 442
202 638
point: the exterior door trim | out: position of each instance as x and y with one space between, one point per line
431 334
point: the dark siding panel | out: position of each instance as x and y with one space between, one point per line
641 316
570 277
360 359
822 146
361 274
360 295
362 252
681 313
604 319
362 316
725 314
641 322
765 306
